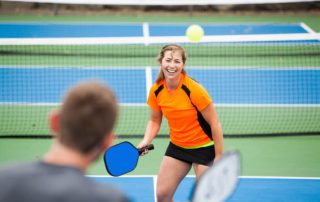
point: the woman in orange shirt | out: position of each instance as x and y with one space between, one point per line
196 137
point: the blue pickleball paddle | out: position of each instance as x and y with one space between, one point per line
123 158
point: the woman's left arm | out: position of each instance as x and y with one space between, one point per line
210 115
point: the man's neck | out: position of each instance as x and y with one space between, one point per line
62 155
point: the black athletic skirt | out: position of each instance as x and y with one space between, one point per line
203 155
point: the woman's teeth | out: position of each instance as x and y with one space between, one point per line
171 70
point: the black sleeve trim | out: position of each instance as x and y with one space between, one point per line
203 123
156 92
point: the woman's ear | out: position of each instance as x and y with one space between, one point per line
54 122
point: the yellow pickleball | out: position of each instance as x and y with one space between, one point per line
195 33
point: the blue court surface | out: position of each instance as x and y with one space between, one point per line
142 189
57 30
226 86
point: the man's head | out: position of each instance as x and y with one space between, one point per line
87 116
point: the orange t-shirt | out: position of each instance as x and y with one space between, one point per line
185 129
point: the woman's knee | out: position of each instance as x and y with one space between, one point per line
164 194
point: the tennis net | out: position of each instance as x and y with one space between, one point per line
260 84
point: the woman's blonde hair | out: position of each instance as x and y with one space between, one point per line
173 48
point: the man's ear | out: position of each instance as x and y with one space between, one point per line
108 140
54 122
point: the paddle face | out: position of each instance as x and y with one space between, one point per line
220 180
121 158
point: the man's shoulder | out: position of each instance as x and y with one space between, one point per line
46 180
17 169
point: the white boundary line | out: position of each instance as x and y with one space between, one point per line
75 67
155 178
193 176
158 39
123 176
280 177
146 35
307 28
266 105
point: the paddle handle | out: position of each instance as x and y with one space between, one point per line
148 147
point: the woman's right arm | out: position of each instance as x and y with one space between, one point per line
153 127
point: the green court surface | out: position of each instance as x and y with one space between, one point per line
252 55
235 120
276 156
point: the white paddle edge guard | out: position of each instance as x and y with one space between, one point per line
220 180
